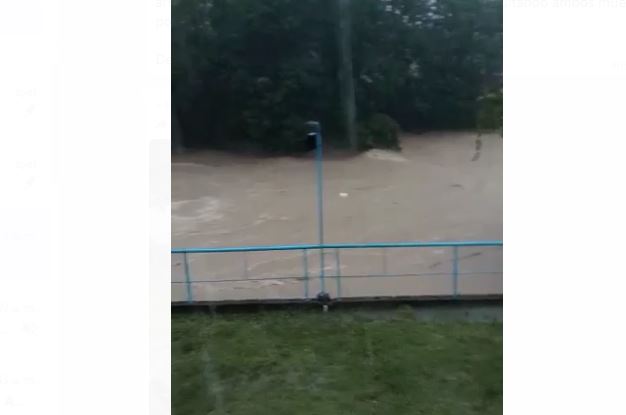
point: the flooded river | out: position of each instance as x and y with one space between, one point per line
440 187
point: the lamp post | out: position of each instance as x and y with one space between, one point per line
314 131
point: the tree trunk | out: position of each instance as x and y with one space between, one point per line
346 78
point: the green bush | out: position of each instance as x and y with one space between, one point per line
490 111
379 131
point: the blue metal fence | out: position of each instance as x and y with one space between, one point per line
336 249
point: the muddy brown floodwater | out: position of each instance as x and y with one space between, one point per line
440 187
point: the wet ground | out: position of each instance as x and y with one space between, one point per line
440 187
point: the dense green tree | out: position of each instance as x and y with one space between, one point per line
249 72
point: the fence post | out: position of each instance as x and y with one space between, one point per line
187 279
455 270
338 266
384 252
305 265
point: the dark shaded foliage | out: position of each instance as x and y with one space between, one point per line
490 110
379 131
250 73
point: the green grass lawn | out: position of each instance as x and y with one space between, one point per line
305 362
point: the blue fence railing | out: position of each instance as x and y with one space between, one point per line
336 249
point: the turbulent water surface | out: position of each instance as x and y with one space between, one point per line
441 186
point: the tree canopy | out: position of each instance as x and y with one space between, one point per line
250 73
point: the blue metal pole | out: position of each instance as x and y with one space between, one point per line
369 245
305 265
384 252
314 131
187 278
320 203
455 270
338 267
